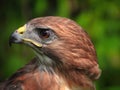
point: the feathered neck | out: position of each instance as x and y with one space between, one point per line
73 76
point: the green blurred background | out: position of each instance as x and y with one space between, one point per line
100 18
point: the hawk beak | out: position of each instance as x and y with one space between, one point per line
16 37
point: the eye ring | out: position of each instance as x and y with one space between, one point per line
43 33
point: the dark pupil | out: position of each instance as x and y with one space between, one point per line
44 33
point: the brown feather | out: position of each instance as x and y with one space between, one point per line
75 63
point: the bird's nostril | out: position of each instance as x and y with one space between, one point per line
21 32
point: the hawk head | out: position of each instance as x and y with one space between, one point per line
62 45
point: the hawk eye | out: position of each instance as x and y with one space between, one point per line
43 33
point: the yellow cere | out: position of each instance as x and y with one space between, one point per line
22 29
33 42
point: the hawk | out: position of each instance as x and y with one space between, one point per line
65 57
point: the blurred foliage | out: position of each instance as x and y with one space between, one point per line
100 18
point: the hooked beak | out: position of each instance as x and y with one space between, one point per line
17 37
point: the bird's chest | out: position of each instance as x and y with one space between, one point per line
64 85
